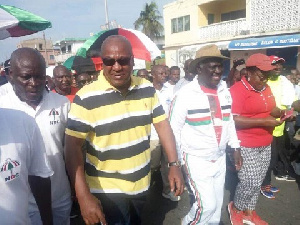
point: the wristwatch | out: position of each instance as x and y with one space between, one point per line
176 163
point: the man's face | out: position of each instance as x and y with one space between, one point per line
278 68
210 72
83 79
143 74
29 79
189 76
62 79
160 75
117 64
174 76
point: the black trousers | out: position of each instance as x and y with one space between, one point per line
280 163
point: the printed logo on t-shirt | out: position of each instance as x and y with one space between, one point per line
54 117
10 170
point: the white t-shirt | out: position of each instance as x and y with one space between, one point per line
51 117
165 96
22 153
5 88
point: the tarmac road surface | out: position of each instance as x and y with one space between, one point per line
284 210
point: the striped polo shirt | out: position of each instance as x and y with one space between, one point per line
117 130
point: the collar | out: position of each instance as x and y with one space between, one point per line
107 86
249 87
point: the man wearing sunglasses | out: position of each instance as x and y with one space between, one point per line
114 116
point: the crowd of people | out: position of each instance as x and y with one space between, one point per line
94 139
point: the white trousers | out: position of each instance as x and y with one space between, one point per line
206 180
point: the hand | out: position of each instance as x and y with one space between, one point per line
176 180
270 121
238 160
91 210
238 62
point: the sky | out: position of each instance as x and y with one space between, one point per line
75 18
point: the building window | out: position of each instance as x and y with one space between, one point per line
210 18
234 15
40 46
180 24
51 57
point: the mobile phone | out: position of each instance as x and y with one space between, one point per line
287 114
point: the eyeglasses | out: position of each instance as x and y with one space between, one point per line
124 61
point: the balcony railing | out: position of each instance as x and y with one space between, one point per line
224 30
63 57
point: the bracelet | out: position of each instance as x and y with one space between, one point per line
176 163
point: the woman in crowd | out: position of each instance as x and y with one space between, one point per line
255 114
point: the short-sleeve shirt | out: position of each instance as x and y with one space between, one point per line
248 102
71 96
22 153
117 130
51 117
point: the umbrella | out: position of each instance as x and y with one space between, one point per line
9 165
80 64
142 46
15 22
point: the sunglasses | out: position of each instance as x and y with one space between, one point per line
124 61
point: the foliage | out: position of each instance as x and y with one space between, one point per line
149 21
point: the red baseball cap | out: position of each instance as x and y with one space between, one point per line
275 59
261 61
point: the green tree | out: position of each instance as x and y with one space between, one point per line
149 21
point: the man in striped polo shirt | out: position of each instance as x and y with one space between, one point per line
113 115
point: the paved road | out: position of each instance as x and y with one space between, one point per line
284 210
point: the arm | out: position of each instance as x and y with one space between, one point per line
90 206
167 140
41 190
296 105
277 113
242 122
235 144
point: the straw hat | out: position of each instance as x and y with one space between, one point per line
207 51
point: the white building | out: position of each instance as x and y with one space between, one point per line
231 24
68 47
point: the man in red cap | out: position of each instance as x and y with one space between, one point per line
284 94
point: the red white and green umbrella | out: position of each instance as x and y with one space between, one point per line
142 46
15 22
9 165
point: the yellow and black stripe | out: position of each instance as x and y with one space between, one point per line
117 130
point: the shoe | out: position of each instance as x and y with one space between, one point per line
254 219
274 189
289 178
171 196
236 218
267 194
279 177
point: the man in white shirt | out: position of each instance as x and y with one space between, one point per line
50 110
158 157
188 77
23 164
203 125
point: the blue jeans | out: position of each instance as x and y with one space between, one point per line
61 214
122 210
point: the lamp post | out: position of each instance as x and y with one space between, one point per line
106 15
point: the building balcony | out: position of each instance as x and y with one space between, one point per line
224 30
63 57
